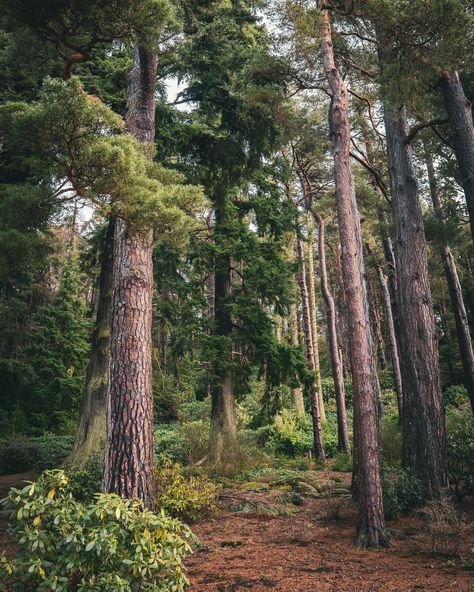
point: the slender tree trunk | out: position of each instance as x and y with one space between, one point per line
295 341
374 315
314 323
424 438
308 340
459 111
371 522
343 443
129 455
455 290
223 427
90 436
392 338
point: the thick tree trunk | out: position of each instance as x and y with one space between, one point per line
459 111
308 340
314 322
343 443
371 523
424 438
90 436
129 455
223 428
455 290
295 341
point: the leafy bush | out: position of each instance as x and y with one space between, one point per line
194 410
329 392
20 454
85 483
186 443
460 440
290 434
402 492
189 498
342 462
391 439
455 395
110 544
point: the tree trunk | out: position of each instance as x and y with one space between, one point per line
459 112
374 315
223 428
424 438
129 455
314 322
295 341
455 290
343 443
308 340
90 436
371 522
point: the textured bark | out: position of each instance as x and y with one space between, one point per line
294 336
336 363
129 455
459 111
90 436
308 341
223 428
314 322
424 438
455 290
371 523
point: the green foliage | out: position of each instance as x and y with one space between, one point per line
391 439
329 392
185 498
85 483
82 139
186 443
19 454
455 395
460 440
402 492
109 544
58 349
342 462
290 434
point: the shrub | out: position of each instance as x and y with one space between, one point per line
460 440
442 525
186 443
20 454
189 498
329 392
110 544
455 395
391 439
342 462
85 483
290 434
402 492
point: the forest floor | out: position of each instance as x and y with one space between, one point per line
259 541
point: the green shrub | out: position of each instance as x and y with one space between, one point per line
290 434
110 544
391 439
194 410
402 492
460 440
329 392
342 462
186 443
85 483
455 395
19 454
186 498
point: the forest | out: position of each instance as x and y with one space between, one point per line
236 295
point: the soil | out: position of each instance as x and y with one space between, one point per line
310 550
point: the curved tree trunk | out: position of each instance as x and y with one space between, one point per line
129 454
343 442
308 338
459 111
90 436
371 523
455 290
